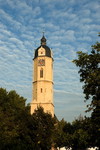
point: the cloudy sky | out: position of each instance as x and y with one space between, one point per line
69 25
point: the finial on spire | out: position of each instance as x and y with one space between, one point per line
43 33
43 40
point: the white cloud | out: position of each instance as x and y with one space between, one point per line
10 21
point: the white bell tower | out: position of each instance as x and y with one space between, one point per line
42 93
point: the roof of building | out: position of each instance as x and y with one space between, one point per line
47 49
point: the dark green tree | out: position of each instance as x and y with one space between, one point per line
76 133
89 70
60 135
44 128
21 130
68 132
80 136
95 127
16 124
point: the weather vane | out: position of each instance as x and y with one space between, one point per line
43 31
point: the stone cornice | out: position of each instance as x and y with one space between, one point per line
43 81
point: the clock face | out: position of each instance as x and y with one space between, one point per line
41 62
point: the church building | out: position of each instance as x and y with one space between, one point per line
42 92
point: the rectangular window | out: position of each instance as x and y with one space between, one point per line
41 73
41 90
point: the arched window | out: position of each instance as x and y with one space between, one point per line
41 73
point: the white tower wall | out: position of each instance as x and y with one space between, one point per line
42 93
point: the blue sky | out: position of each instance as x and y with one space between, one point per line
69 25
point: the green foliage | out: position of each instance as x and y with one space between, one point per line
95 127
44 127
80 137
14 128
89 70
21 130
74 135
60 136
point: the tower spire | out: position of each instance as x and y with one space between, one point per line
43 40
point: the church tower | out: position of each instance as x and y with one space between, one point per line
42 93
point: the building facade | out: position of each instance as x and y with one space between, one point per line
42 93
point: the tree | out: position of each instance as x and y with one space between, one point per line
68 131
89 70
77 134
44 127
95 127
16 124
80 136
21 130
60 135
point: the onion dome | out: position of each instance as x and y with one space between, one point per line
43 40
